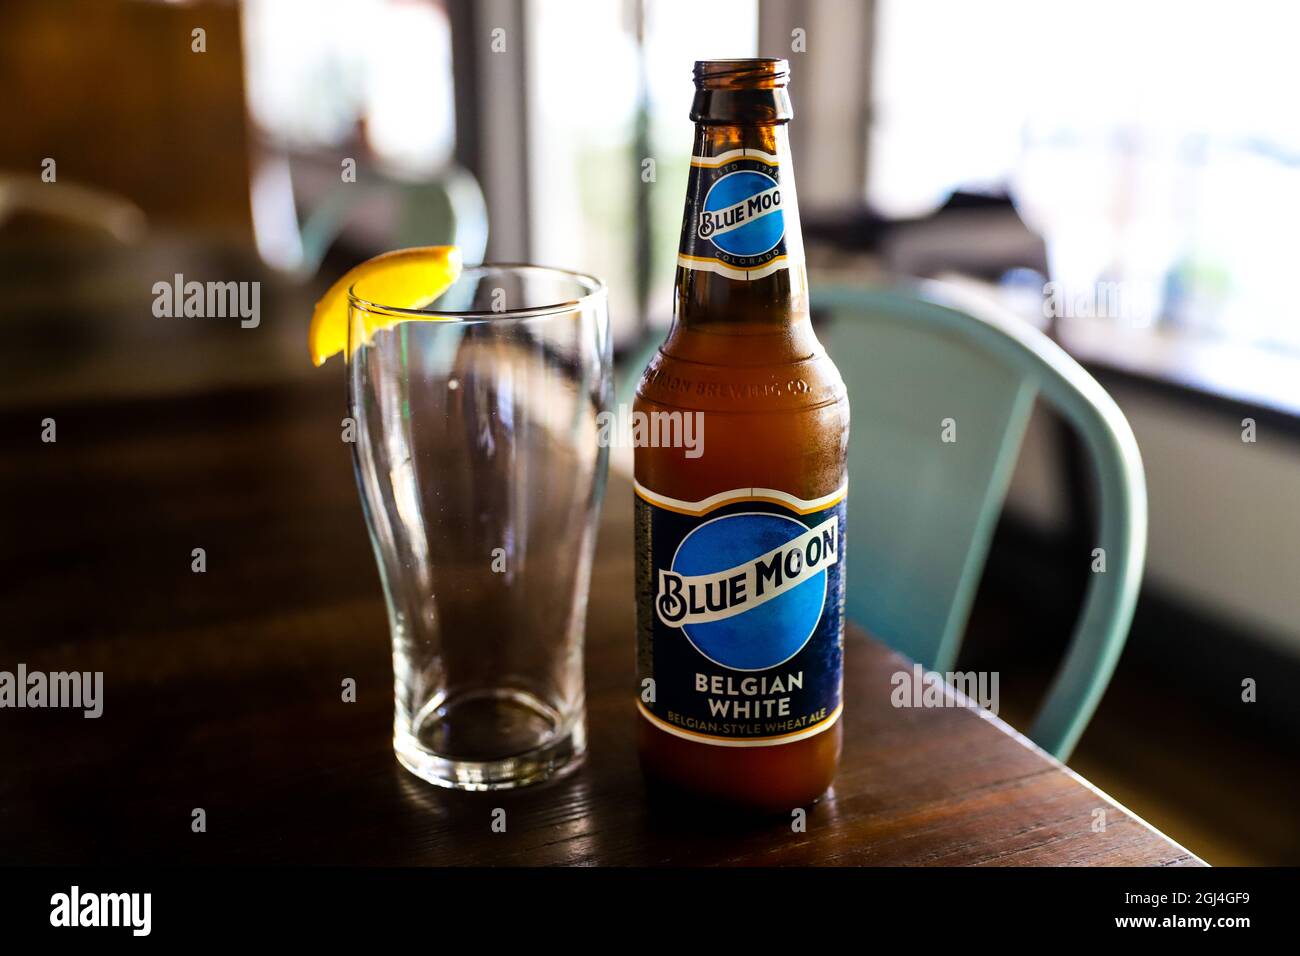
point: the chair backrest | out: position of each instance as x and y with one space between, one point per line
941 384
446 209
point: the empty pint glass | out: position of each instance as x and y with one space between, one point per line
481 475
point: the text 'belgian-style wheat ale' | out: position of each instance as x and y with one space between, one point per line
740 538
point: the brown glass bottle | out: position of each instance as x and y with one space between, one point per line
775 423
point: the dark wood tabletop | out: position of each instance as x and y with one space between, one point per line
222 689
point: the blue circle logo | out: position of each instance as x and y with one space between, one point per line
742 214
771 632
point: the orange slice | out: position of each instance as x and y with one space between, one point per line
404 279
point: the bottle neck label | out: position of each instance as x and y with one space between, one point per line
738 214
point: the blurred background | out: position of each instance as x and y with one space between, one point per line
1124 176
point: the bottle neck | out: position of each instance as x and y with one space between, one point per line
741 261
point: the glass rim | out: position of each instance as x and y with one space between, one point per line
595 289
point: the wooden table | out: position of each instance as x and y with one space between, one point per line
222 688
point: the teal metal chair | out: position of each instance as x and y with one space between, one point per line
922 511
448 208
295 235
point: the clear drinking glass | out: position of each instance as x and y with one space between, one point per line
481 474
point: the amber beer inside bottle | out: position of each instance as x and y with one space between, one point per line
775 416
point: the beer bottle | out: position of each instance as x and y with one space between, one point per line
740 533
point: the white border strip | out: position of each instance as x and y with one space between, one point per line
723 158
802 505
713 265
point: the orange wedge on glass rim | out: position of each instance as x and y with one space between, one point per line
402 279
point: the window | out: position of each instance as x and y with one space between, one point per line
1154 145
585 169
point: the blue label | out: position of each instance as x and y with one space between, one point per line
735 222
740 615
742 214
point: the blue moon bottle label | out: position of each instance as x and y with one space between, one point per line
738 212
740 615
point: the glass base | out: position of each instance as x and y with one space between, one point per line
459 742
